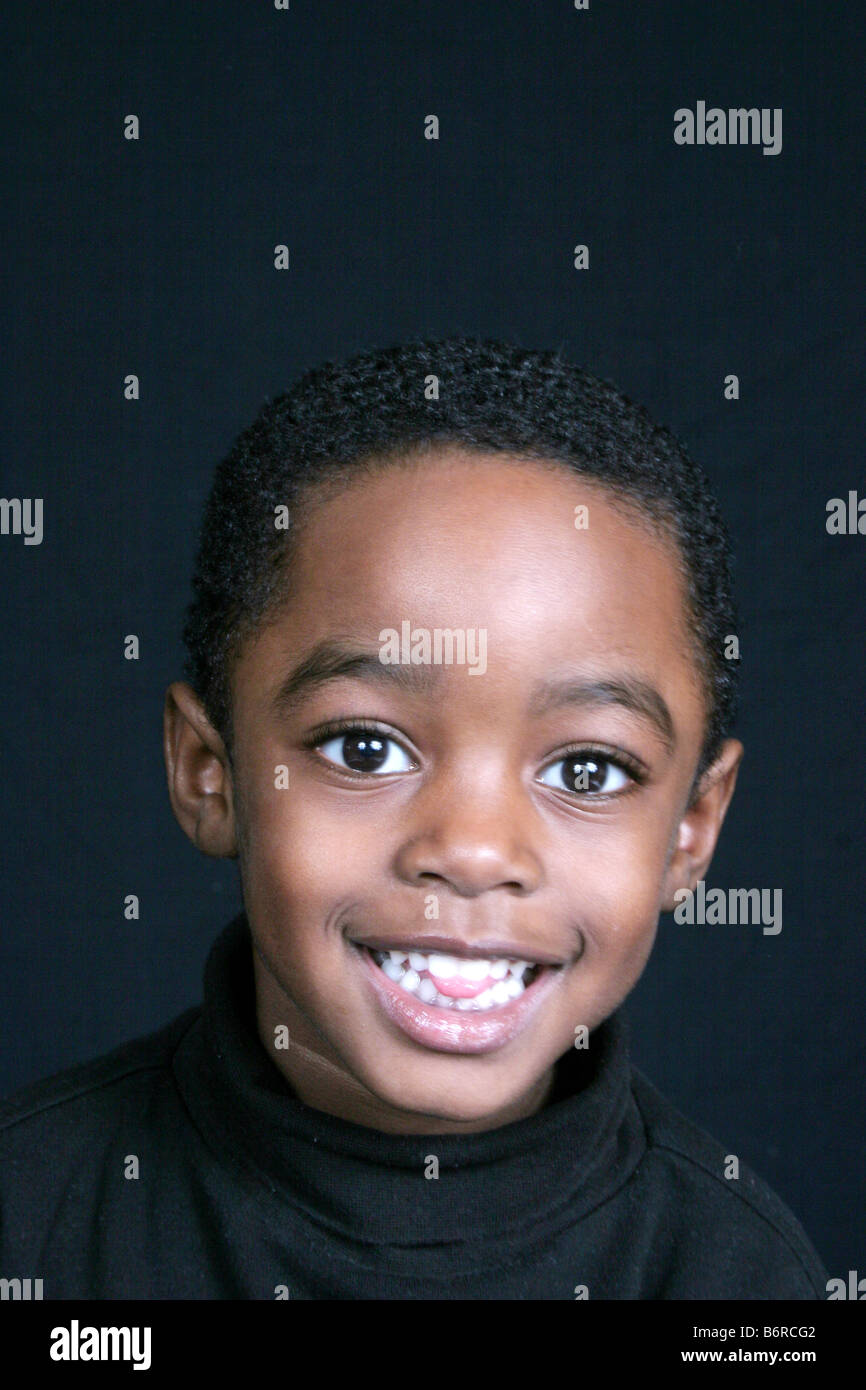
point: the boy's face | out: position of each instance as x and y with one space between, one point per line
531 806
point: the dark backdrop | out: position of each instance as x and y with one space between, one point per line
155 257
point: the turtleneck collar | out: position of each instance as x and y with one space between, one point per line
529 1177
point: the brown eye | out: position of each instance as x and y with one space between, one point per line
585 774
364 752
360 751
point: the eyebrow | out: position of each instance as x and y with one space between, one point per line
333 659
635 695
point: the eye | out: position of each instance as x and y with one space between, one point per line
586 773
359 750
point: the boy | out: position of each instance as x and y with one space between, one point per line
458 703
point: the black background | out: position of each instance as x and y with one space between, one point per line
155 257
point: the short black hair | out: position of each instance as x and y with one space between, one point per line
485 395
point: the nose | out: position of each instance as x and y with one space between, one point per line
472 840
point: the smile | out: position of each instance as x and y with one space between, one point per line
457 1004
449 982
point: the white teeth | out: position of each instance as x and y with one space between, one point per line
443 967
473 969
412 971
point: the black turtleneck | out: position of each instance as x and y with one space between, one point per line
243 1191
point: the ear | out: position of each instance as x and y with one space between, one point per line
698 831
199 773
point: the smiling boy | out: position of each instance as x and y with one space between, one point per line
409 1078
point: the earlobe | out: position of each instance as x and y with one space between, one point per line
199 776
698 831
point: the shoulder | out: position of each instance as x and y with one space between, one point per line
736 1226
84 1096
65 1143
718 1203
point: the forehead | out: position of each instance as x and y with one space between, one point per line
456 540
460 533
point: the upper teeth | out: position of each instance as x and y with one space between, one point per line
416 971
446 967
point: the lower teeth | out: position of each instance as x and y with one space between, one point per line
421 986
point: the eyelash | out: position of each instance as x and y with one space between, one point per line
618 759
326 732
589 751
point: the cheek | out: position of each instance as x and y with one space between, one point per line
626 859
615 890
306 858
617 911
619 935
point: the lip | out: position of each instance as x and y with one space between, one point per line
448 1030
447 946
